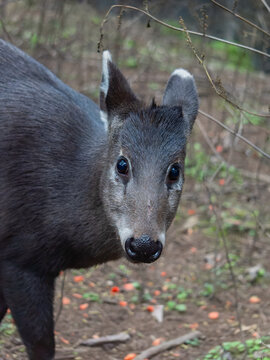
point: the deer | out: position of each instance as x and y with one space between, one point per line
81 184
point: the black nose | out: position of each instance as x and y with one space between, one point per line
143 249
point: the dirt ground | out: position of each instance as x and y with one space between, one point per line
108 308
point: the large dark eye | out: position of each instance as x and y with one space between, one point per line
122 166
174 173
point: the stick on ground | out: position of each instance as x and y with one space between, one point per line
121 337
152 351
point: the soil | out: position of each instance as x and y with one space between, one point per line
182 265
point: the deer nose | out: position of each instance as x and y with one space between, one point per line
143 249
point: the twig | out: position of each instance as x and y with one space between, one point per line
61 298
266 5
117 338
154 350
173 28
225 244
218 88
240 17
6 33
255 147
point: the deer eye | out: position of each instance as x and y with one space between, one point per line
174 173
122 166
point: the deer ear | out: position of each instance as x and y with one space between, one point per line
181 91
116 97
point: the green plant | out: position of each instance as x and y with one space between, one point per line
91 296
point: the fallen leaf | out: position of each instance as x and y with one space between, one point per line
130 356
221 182
194 326
193 250
254 300
157 341
78 278
191 212
123 303
65 300
214 315
157 292
219 148
65 341
77 296
163 273
84 306
128 286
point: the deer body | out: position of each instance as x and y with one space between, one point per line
79 184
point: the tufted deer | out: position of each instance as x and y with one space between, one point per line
81 185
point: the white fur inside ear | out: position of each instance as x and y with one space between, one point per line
104 119
182 73
104 86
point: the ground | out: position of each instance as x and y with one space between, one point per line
180 276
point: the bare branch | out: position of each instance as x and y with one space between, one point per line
218 89
154 350
116 338
266 5
240 17
6 33
173 28
255 147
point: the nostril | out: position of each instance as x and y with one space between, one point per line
143 249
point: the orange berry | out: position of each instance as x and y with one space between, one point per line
157 292
191 212
163 273
150 308
78 278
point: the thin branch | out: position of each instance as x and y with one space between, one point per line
218 89
251 175
240 17
266 5
61 298
173 28
255 147
154 350
116 338
6 33
226 248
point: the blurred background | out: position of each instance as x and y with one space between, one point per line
218 248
